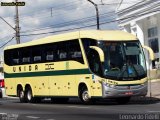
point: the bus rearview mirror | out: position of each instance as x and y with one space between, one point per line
100 52
151 53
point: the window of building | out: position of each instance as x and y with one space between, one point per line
152 32
153 42
153 39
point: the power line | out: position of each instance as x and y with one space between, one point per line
6 36
64 6
121 2
76 21
44 15
68 4
72 22
6 43
70 28
7 23
92 25
48 15
88 25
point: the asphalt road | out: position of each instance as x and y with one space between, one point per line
138 108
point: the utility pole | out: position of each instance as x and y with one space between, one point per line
17 25
97 13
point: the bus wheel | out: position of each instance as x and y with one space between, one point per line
29 97
84 96
123 100
21 96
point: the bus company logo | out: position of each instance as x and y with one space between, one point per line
25 68
13 3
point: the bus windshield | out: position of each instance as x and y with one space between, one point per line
124 61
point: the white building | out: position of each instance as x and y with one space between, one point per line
143 20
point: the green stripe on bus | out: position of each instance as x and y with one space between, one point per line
47 73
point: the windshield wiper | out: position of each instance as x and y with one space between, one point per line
123 71
135 71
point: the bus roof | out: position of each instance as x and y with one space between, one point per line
106 35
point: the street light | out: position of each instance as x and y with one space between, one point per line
97 13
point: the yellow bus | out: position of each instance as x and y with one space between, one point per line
89 64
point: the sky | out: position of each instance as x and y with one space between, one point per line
56 16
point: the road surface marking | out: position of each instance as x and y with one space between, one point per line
76 107
154 111
33 117
3 114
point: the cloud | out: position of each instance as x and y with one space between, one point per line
37 14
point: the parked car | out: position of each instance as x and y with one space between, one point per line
2 86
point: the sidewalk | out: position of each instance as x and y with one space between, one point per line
154 88
153 95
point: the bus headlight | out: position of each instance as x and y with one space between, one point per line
110 85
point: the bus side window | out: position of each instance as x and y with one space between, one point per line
26 55
75 51
36 54
62 51
94 62
88 42
62 55
15 57
49 55
76 54
7 57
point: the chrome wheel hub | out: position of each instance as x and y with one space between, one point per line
85 96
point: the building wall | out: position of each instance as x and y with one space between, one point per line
151 22
140 29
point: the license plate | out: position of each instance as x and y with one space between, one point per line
128 93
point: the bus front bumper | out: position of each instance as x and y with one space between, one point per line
114 91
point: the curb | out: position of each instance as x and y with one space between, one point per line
6 97
155 80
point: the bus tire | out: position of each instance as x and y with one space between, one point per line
84 95
123 100
21 96
29 96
